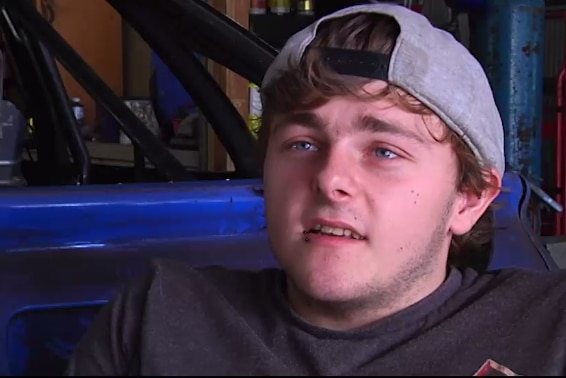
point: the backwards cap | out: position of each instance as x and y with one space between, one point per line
428 63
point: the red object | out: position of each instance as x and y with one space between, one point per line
258 6
554 130
417 8
549 129
560 227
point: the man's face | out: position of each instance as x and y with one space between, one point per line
372 175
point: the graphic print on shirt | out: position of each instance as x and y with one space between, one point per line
491 368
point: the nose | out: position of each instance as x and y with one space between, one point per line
337 177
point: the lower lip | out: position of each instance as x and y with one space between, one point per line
322 239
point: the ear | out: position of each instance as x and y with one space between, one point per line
469 207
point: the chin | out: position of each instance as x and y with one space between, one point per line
327 285
326 273
332 294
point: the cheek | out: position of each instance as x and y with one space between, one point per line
285 190
410 206
415 198
432 211
285 174
424 201
272 178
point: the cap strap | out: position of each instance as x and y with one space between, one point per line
368 64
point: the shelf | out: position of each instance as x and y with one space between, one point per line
122 155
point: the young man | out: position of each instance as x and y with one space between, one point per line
383 150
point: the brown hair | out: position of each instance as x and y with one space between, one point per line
312 83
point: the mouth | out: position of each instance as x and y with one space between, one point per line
339 232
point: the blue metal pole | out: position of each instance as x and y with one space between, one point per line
507 37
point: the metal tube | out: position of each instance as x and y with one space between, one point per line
507 37
155 150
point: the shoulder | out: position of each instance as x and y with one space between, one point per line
168 283
520 285
172 281
160 302
173 272
527 278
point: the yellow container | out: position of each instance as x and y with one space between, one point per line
255 111
280 6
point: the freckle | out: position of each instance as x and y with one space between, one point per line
414 203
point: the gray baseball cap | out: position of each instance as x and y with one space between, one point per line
430 64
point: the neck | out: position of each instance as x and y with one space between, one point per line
360 312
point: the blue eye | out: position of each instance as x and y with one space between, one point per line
384 153
304 146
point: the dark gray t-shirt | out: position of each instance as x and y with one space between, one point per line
184 321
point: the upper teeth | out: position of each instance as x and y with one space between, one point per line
336 231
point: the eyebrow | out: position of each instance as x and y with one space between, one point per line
363 123
375 125
306 119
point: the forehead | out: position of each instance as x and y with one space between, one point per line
348 115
